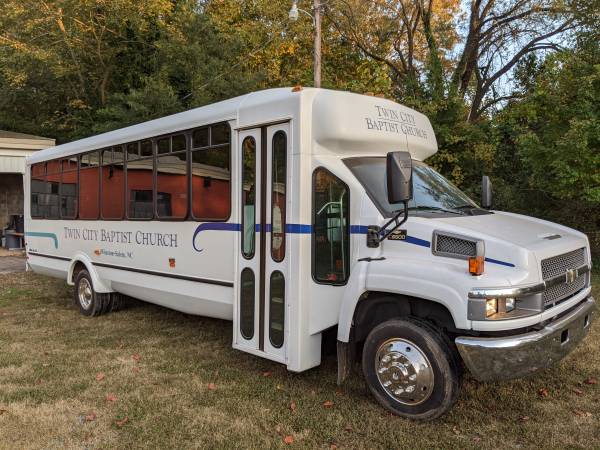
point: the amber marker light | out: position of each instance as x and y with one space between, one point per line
476 265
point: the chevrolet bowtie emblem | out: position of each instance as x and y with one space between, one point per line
571 275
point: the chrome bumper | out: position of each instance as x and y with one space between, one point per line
504 358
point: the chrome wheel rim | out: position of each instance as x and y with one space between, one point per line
84 293
404 372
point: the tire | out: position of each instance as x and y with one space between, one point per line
90 302
417 366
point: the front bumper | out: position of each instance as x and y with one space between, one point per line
505 358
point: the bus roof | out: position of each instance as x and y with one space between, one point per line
342 122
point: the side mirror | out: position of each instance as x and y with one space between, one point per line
399 177
486 192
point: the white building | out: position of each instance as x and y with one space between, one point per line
14 148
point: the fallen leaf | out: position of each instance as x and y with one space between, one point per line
111 398
45 365
135 369
456 430
100 376
90 417
293 407
591 380
581 413
328 404
332 447
543 392
278 429
122 422
348 428
212 386
524 418
2 411
288 439
267 374
136 357
476 439
578 391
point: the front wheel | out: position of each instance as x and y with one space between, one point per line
411 369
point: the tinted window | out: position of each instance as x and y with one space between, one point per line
211 176
247 294
52 200
140 195
89 186
113 183
171 185
277 309
248 196
331 233
278 197
38 189
68 189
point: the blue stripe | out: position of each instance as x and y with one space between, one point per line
46 235
298 228
214 226
502 263
358 229
292 228
417 241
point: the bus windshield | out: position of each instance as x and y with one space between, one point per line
431 191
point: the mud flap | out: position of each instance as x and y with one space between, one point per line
345 359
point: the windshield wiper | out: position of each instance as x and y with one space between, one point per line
436 208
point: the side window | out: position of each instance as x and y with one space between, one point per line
113 183
140 189
68 188
171 177
53 174
211 173
38 191
278 198
331 228
89 186
248 196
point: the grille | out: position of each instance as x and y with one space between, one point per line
558 265
455 246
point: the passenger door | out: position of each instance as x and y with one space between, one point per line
260 309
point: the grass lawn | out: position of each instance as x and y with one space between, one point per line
148 377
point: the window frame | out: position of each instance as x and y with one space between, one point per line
312 234
45 166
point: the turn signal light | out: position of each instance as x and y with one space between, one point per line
476 265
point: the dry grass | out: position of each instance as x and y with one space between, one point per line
50 357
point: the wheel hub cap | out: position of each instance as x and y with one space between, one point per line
404 371
84 292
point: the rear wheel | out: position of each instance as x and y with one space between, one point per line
90 302
410 369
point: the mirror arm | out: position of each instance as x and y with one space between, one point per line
376 235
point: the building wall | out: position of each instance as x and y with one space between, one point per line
11 196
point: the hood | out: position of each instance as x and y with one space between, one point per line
522 231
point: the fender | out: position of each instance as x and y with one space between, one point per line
403 277
99 285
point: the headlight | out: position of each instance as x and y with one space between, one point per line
491 307
496 305
510 304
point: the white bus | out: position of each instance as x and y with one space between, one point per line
292 212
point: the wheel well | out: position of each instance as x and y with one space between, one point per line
79 266
377 307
